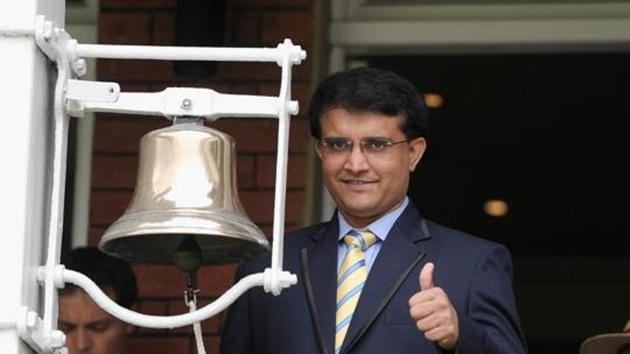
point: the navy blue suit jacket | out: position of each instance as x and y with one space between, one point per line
475 274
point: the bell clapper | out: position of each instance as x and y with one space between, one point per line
188 259
190 294
190 297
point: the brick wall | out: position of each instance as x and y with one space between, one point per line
116 138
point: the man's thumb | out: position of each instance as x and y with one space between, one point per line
426 276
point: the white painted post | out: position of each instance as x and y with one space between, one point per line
26 92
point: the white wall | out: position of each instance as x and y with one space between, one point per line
25 96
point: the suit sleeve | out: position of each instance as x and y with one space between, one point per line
236 336
491 324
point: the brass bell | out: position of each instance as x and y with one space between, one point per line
185 209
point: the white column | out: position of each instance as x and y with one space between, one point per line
25 138
82 26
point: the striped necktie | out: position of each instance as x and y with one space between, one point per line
350 280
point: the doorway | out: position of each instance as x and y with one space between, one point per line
547 135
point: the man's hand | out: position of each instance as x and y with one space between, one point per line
433 312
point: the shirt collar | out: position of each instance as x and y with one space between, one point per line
379 227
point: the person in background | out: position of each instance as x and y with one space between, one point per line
378 277
88 328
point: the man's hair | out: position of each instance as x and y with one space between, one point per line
105 271
370 90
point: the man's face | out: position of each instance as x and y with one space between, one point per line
88 328
364 185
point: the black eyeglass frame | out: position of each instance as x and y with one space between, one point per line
369 145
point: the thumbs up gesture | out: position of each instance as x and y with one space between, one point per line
433 312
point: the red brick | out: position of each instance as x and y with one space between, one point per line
247 71
251 135
158 344
295 25
129 70
107 207
163 29
95 234
266 171
260 135
162 332
162 71
259 206
133 87
160 280
118 4
302 72
242 89
124 28
245 170
152 307
245 29
212 344
267 229
215 280
123 134
211 326
295 207
114 171
265 71
288 227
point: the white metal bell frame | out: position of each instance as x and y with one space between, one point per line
74 97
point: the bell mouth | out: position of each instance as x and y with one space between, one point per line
154 237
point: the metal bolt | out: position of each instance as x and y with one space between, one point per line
186 104
47 30
31 320
80 67
57 339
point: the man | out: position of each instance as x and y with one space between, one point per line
88 328
377 278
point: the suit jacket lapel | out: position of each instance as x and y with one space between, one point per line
321 260
398 256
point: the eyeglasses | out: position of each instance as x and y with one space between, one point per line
369 146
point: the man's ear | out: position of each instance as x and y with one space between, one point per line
417 147
317 148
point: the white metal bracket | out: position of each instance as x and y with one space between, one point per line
263 279
48 37
74 97
98 91
30 328
93 96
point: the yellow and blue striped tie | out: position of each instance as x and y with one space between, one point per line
350 280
